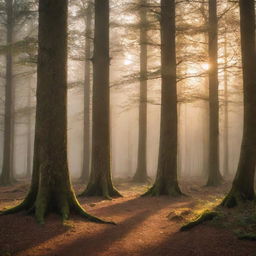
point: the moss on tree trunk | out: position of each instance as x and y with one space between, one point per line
51 190
243 185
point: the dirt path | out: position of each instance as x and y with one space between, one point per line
143 229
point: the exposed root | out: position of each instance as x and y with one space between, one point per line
81 212
108 192
233 199
172 191
40 208
25 205
206 216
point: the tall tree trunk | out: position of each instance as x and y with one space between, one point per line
7 171
87 89
29 131
226 115
214 177
243 184
100 182
51 190
141 172
166 182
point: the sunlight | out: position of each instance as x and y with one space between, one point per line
128 60
205 66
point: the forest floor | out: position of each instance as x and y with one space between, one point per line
145 226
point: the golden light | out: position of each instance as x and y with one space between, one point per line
205 66
128 60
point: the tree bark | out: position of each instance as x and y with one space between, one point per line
29 133
100 181
87 88
226 114
166 182
51 190
6 177
243 184
214 177
141 172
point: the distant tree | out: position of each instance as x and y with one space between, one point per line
6 177
51 189
214 177
243 184
87 88
141 172
166 182
14 15
100 182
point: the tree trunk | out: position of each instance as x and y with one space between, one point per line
29 131
243 184
87 82
51 190
7 171
214 177
141 172
100 182
166 181
226 115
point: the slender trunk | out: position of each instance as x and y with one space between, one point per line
7 171
214 177
51 190
226 116
141 172
29 132
166 182
100 181
87 89
243 184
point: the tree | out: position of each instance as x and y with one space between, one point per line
141 172
51 189
166 180
214 177
14 15
6 177
87 88
226 114
100 182
243 184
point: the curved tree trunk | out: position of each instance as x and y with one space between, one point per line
6 177
166 182
87 88
100 182
141 172
214 177
51 190
243 184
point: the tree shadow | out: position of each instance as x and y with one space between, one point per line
201 241
19 232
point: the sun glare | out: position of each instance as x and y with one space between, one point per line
205 66
128 60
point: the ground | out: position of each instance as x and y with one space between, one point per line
145 226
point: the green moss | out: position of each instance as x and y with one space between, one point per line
206 216
243 235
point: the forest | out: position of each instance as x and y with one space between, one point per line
127 128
